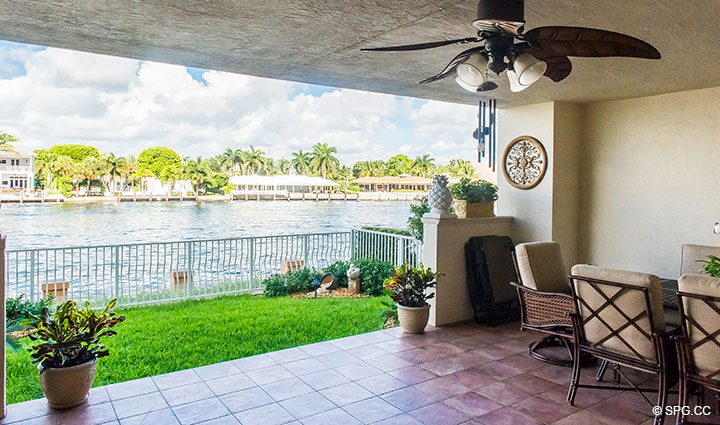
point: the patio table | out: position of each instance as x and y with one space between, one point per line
669 296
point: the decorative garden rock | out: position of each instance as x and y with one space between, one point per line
440 198
353 275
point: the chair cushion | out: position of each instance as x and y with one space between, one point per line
632 303
691 254
541 267
706 356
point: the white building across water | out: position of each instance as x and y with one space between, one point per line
16 171
281 184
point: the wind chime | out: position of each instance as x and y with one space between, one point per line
486 133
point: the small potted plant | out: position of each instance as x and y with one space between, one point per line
68 346
474 198
408 287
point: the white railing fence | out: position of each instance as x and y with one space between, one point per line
148 273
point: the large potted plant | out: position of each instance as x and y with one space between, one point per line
67 348
408 286
474 198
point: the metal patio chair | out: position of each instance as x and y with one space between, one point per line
619 319
699 346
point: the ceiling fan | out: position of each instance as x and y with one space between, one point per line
524 56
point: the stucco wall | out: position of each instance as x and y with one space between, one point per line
549 211
650 179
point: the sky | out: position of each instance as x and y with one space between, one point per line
50 96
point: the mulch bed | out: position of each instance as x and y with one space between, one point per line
335 293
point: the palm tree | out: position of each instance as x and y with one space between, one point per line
129 170
232 160
301 161
459 168
195 171
114 164
283 166
5 140
44 166
90 169
323 159
423 165
254 160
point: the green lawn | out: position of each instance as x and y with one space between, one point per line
166 338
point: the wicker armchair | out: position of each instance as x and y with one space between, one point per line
545 300
699 346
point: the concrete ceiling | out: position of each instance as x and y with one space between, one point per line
318 42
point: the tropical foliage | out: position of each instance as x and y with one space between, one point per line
408 286
70 335
68 168
711 266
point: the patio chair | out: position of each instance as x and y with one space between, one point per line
545 300
619 319
691 256
698 348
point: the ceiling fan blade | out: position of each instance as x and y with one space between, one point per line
588 42
450 68
558 68
421 46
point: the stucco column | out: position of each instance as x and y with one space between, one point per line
444 240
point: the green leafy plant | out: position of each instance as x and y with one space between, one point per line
391 311
711 266
474 191
19 308
339 269
279 285
372 275
70 335
390 230
407 286
415 223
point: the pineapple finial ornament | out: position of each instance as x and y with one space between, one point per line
439 197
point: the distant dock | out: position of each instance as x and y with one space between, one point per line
256 196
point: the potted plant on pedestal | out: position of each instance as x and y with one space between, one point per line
67 349
407 286
474 198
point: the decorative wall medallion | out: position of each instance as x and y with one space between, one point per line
524 162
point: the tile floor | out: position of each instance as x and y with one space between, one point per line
465 374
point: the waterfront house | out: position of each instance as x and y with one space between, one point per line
622 171
16 171
279 185
403 182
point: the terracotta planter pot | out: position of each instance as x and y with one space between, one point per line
474 210
413 320
68 386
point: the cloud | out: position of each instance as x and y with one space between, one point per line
123 105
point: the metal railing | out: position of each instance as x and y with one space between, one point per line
148 273
390 247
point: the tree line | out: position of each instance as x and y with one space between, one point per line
70 167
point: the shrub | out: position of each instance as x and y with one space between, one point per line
339 269
279 285
415 223
373 274
275 286
19 308
301 280
390 230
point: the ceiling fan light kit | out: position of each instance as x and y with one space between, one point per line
526 56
